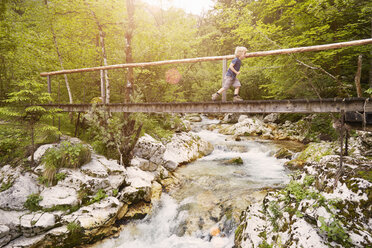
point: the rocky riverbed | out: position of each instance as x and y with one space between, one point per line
314 210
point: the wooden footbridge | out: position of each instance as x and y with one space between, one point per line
356 105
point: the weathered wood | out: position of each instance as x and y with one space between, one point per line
253 106
357 77
215 58
224 70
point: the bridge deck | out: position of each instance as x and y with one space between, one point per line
334 105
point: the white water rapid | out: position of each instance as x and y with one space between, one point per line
204 211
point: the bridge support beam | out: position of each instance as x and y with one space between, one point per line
335 105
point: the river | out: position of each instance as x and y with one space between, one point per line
204 211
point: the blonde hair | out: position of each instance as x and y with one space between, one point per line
240 51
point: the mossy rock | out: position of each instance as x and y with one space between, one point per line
283 153
235 161
295 164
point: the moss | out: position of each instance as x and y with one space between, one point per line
366 175
75 235
6 185
32 202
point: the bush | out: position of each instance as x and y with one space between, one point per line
66 156
13 145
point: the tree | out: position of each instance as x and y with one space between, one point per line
116 133
22 107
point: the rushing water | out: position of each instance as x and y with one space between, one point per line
204 211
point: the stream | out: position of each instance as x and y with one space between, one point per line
204 211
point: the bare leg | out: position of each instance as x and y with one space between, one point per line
221 90
236 91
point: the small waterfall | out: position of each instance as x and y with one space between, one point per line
204 211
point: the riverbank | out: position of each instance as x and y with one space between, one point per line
117 195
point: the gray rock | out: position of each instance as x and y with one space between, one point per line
41 150
14 197
25 242
112 166
59 196
273 117
94 169
95 216
11 220
144 164
149 148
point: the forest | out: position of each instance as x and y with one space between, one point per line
50 35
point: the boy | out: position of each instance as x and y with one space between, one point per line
230 77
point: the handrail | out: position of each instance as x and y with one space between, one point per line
202 59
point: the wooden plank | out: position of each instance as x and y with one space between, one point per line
215 58
335 105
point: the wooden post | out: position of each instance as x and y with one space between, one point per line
103 87
77 125
357 77
49 85
224 69
339 171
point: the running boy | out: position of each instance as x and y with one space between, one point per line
230 77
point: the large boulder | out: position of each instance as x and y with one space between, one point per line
184 148
15 197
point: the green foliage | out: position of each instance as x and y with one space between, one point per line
115 133
115 192
335 231
74 227
32 202
98 196
158 126
275 215
6 185
67 155
13 145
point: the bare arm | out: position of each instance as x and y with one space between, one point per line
231 67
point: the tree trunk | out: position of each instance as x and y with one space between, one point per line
32 144
370 64
60 58
61 63
128 48
357 77
105 83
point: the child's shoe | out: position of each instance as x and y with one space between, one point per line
237 99
215 97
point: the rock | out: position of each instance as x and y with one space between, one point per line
59 196
40 152
36 223
184 148
271 118
15 197
149 148
242 118
95 216
5 236
11 220
283 153
94 169
25 242
214 231
236 161
140 186
194 118
79 181
138 211
112 166
156 191
231 118
143 164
